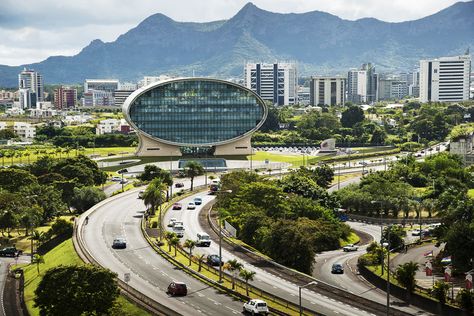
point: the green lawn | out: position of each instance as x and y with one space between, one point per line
470 193
63 254
352 239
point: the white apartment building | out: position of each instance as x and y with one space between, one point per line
31 86
110 126
327 90
277 83
357 86
445 79
24 130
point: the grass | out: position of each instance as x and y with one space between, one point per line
470 193
344 177
63 254
353 238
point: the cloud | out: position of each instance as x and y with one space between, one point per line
34 30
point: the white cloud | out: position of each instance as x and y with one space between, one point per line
33 30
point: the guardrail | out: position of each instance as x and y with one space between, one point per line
301 278
401 221
135 296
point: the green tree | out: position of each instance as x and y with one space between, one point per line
247 276
151 172
233 266
168 236
465 299
37 259
36 237
405 275
439 291
153 197
193 169
13 179
8 221
86 197
7 133
175 243
351 116
76 290
190 244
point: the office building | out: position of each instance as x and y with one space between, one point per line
194 114
98 98
109 85
152 79
276 83
65 97
362 84
327 91
31 88
125 89
445 79
392 89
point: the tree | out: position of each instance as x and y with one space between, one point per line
351 116
440 290
153 196
13 179
76 290
174 242
233 266
465 299
38 259
151 172
190 244
247 276
193 169
7 133
405 275
36 236
86 197
200 258
168 236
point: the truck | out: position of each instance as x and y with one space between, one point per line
10 252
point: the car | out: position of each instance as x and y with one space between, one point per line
350 247
178 229
203 240
177 206
171 222
191 206
416 232
337 268
214 260
10 252
179 185
119 243
256 307
177 288
117 179
123 181
197 200
140 194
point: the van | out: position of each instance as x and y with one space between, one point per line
203 239
178 230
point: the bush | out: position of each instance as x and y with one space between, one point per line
154 224
62 227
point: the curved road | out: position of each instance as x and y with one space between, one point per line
150 273
263 279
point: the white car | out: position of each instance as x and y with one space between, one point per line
350 247
191 206
256 307
171 222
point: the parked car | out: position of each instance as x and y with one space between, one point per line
10 252
197 200
337 268
171 222
350 247
191 206
256 307
119 243
214 260
177 288
116 178
177 206
179 185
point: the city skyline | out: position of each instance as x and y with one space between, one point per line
32 32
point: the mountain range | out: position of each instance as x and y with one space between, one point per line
321 43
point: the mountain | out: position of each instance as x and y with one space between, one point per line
321 43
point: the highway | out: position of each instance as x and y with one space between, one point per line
150 273
263 279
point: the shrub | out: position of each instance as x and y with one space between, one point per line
154 224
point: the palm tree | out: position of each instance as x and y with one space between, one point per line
154 196
233 266
168 237
37 259
200 260
247 276
36 236
193 169
174 242
405 275
190 244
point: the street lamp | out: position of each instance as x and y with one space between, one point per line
299 288
387 244
220 240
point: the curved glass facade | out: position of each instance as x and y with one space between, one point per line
196 112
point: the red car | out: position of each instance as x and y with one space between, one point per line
177 206
177 288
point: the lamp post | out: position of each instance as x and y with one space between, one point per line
220 240
387 244
381 225
299 288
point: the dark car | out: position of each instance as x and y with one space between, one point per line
10 252
179 185
177 206
177 288
214 260
337 268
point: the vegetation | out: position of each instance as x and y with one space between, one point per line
405 275
193 169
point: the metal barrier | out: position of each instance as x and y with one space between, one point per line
400 221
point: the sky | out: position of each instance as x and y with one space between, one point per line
32 30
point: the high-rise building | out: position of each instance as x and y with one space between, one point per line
327 91
445 79
362 84
99 92
65 97
392 89
31 86
277 83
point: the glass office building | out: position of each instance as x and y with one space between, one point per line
194 112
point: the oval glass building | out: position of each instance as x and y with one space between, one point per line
194 112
